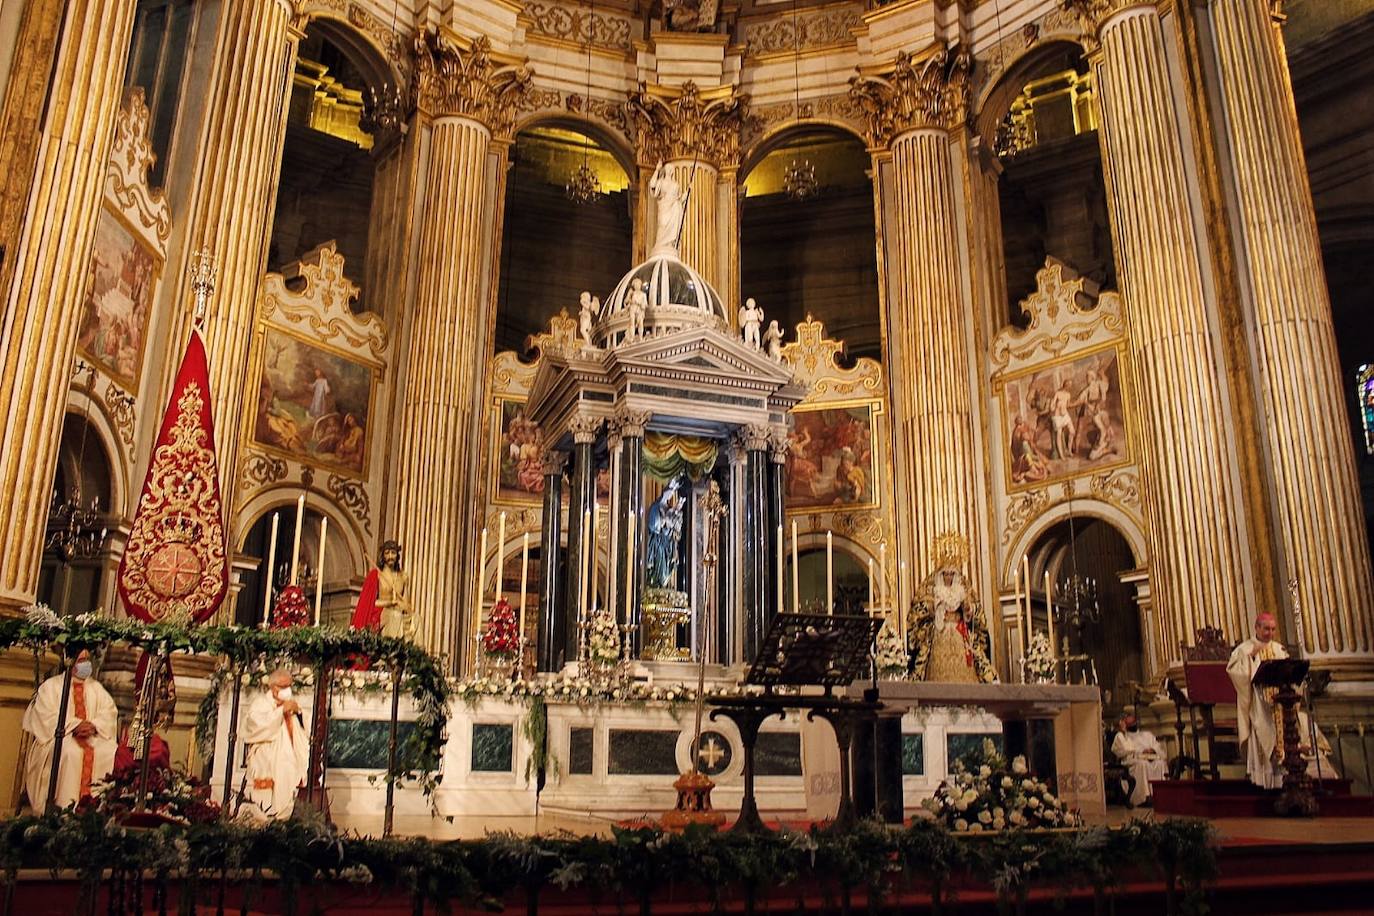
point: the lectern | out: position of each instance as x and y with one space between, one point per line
1284 675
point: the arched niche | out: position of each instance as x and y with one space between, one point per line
554 248
851 561
1038 122
815 256
345 556
76 581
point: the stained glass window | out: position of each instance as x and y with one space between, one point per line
1364 390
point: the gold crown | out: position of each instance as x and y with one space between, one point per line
951 550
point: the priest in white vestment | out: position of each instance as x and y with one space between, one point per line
278 748
1139 752
1258 719
89 737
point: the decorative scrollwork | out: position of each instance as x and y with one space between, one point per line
1022 509
1122 487
825 28
121 406
600 29
1061 313
352 496
261 470
813 357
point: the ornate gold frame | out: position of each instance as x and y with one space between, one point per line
130 385
493 465
876 408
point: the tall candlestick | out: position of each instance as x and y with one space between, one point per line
582 565
870 584
296 542
270 573
501 558
882 574
1025 630
524 581
319 569
829 573
591 553
1049 614
780 573
1021 617
481 584
901 600
632 528
796 590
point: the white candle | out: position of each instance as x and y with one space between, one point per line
524 580
319 569
267 583
582 564
882 574
780 598
629 568
501 558
829 573
296 542
870 584
481 583
901 601
1049 615
796 591
1026 597
592 552
1020 617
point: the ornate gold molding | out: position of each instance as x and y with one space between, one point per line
813 358
824 28
914 93
1061 314
602 29
322 305
840 108
686 123
352 496
1093 14
466 82
126 178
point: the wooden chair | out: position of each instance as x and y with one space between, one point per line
1206 686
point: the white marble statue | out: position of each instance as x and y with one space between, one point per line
772 339
670 201
637 303
750 320
589 306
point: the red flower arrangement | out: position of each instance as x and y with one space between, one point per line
502 633
291 609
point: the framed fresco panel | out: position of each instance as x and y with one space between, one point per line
314 404
119 294
516 462
1065 418
830 459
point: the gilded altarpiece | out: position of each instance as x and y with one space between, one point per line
315 407
1062 438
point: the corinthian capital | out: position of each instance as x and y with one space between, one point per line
687 123
1093 14
931 92
584 428
454 81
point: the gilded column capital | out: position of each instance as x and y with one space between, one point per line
754 438
1094 14
688 123
779 443
914 93
554 462
632 423
456 81
584 428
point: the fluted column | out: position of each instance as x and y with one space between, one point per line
777 490
1315 486
550 636
697 134
911 110
1197 570
466 97
581 499
47 271
629 571
230 212
754 441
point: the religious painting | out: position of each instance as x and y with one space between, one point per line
119 295
517 462
1065 419
830 461
314 404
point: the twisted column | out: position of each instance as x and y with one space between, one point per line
1315 485
46 273
1197 569
467 98
911 110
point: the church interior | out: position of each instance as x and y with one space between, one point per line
545 446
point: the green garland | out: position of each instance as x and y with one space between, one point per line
251 652
630 866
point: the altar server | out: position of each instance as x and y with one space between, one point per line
88 745
1140 752
278 748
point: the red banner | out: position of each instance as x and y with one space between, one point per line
175 566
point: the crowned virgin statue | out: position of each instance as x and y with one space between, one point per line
665 534
950 639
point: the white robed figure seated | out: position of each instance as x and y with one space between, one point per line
1139 752
89 737
278 748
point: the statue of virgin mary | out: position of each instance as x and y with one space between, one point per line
664 535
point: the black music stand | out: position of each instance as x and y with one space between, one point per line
804 650
1284 675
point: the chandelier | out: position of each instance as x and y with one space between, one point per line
799 180
74 525
583 186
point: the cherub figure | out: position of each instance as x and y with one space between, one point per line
636 303
589 306
750 320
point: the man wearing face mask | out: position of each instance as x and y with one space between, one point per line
278 747
88 744
1140 752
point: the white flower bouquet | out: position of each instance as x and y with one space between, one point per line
985 793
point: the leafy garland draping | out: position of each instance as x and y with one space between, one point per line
633 865
245 648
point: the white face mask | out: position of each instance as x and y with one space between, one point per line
284 693
82 670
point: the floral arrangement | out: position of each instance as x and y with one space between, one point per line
891 656
290 609
1039 661
501 637
603 643
985 793
585 690
172 795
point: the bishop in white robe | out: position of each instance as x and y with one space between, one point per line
278 748
1258 719
1139 751
89 737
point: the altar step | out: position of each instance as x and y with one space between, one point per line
1213 798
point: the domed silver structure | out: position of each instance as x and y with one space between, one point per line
678 298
